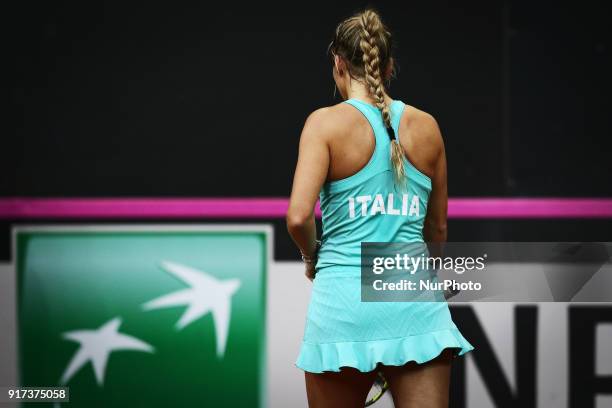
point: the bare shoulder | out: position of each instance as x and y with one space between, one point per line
422 124
422 128
325 122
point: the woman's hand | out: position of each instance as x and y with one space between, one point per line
310 271
310 262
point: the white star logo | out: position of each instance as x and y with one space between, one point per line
205 294
96 346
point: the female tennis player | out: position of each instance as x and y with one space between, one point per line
350 154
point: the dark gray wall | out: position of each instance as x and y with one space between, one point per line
115 99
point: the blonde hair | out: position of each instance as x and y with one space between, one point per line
366 44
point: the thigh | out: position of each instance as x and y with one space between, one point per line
420 385
346 389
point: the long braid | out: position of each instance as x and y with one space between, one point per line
371 28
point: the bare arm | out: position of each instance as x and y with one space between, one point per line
310 174
435 229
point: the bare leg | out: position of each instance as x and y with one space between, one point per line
421 385
347 389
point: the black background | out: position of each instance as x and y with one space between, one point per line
199 100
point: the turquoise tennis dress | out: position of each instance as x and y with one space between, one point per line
341 330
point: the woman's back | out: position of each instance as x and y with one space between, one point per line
363 202
352 141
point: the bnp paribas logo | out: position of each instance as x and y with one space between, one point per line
144 316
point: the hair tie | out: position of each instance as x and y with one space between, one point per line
391 133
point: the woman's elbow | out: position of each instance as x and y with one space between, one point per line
440 229
436 230
296 220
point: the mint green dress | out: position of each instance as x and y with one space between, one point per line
340 330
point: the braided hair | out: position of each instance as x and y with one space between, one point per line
365 43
